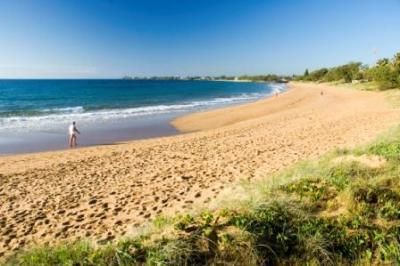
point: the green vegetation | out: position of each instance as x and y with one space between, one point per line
256 78
386 73
266 78
342 209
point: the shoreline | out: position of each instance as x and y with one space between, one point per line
106 192
216 118
112 134
123 131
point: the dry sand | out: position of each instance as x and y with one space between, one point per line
106 191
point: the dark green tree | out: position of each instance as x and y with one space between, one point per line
383 62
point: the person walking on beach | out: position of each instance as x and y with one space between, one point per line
73 130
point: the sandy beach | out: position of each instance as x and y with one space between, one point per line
105 192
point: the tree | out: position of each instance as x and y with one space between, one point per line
347 77
383 62
396 60
385 75
386 72
359 76
396 69
318 74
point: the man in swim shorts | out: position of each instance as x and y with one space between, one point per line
72 135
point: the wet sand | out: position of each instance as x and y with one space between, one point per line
103 133
105 192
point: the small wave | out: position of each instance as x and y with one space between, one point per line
277 87
76 109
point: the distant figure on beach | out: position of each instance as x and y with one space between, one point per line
73 130
322 93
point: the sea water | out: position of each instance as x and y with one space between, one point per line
35 114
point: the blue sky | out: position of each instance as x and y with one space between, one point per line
112 38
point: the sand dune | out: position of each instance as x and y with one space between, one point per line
105 192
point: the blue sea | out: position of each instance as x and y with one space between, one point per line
34 114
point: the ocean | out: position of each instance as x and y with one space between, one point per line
35 114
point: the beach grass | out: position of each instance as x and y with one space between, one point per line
343 208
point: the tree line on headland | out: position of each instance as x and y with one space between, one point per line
260 78
386 72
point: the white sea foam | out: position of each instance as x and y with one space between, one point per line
277 87
76 109
56 117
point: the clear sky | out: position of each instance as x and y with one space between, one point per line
112 38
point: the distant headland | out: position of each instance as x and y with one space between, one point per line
242 78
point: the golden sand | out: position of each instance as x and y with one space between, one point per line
106 191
